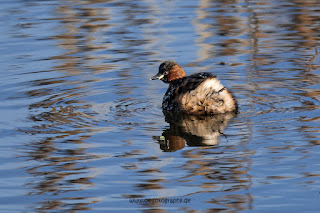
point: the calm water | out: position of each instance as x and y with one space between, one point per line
82 128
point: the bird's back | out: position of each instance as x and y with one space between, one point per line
200 93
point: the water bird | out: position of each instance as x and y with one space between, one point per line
199 94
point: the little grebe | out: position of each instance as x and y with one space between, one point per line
199 93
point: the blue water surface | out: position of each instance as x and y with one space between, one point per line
82 129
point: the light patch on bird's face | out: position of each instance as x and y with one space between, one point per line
161 77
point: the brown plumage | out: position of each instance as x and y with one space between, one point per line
200 93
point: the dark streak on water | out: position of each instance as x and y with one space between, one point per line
81 125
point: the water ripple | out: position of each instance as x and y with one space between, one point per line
82 126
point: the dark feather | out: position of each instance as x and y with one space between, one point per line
191 82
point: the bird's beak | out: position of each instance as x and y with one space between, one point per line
157 76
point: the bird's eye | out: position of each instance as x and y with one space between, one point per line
166 72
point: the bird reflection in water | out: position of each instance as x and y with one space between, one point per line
193 130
